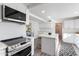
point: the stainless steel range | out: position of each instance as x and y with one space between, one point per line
18 46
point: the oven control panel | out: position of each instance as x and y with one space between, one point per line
16 46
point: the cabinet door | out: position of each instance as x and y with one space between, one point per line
46 46
52 42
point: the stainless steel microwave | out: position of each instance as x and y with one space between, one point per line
11 14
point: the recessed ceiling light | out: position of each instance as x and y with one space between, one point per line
52 18
49 17
43 11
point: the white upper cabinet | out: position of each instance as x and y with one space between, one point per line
35 28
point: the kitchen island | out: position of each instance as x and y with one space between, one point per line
48 44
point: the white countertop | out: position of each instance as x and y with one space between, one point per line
2 46
71 38
48 36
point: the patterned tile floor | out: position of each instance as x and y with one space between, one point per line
67 50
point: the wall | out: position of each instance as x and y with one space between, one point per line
35 30
0 12
47 27
71 26
9 29
68 26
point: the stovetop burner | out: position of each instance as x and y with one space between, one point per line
14 41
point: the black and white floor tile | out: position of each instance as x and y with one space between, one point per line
67 50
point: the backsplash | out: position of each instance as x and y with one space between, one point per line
11 30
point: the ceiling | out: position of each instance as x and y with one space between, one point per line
31 5
52 11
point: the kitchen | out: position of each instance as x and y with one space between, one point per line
27 35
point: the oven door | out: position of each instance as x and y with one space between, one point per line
24 52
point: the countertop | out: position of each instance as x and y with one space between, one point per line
2 46
71 38
48 36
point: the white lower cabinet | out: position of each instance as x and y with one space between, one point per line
48 46
52 44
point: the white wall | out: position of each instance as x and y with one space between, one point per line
68 26
47 27
71 26
11 30
0 11
35 30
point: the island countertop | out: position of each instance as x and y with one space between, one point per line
48 36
